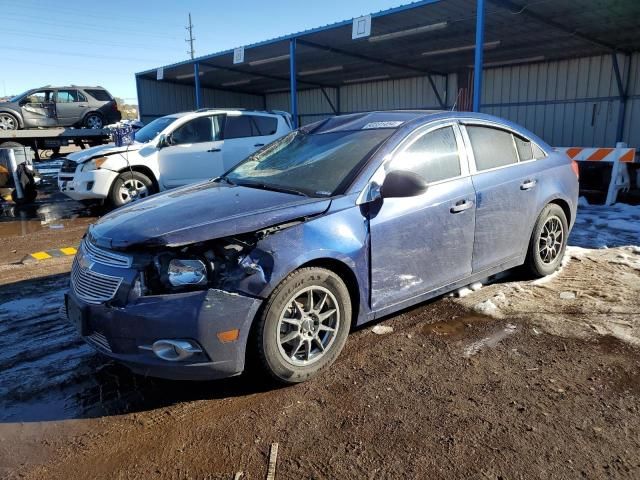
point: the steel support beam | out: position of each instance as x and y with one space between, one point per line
328 99
524 10
381 61
479 57
293 82
196 81
623 87
264 75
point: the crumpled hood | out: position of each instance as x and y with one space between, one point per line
109 149
200 212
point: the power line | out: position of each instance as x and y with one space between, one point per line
190 40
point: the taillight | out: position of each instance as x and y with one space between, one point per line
574 167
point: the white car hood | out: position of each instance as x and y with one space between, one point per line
101 150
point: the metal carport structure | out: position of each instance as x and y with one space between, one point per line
430 50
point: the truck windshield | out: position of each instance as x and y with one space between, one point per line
149 132
312 164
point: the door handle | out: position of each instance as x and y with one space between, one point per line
259 145
461 206
214 150
528 184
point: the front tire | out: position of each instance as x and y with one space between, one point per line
303 326
548 241
130 186
8 122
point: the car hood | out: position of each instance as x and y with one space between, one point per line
198 213
102 150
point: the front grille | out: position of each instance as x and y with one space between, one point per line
68 166
93 287
105 257
99 341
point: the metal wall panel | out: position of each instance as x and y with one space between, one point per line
568 102
159 98
380 95
632 117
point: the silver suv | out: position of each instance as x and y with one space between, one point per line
89 107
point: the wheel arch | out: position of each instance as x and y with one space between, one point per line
145 171
564 205
15 115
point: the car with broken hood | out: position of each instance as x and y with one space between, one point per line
334 225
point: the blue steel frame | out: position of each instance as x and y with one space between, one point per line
479 58
293 82
196 73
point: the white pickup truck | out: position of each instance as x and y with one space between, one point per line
169 152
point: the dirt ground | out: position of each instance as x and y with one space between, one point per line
451 393
520 379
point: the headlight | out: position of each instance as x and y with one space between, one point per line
94 164
186 272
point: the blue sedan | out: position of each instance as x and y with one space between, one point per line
334 225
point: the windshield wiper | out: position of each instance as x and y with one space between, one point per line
225 179
274 188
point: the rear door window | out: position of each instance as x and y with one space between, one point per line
98 94
67 96
492 147
434 156
237 127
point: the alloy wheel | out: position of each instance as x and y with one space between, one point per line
132 189
94 121
551 240
7 122
308 326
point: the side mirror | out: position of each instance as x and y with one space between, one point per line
164 141
401 183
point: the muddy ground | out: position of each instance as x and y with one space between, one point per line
519 379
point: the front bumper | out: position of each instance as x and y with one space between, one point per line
125 334
93 184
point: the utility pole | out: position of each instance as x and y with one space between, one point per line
190 39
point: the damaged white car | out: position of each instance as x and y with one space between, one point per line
169 152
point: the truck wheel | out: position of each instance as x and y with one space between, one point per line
130 186
548 241
93 120
304 325
8 122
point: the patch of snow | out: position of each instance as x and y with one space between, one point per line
583 202
463 292
567 295
475 286
486 308
606 226
382 329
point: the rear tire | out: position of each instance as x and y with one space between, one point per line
29 195
311 308
94 121
130 186
548 241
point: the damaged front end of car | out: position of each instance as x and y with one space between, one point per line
179 312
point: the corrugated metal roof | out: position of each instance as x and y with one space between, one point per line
516 31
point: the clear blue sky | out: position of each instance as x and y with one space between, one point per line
106 42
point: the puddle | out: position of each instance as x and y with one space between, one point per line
46 214
490 341
456 327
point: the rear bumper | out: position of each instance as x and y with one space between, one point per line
94 184
127 334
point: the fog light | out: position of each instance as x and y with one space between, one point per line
175 350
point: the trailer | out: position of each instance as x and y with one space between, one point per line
53 138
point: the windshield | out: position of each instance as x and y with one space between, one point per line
316 165
18 97
149 132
